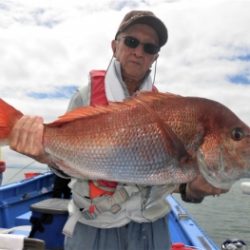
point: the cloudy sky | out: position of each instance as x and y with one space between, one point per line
48 47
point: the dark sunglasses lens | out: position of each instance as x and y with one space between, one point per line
151 48
131 42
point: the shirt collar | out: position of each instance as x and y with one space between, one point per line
116 89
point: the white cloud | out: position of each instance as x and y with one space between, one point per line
50 44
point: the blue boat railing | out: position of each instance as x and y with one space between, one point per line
183 228
16 198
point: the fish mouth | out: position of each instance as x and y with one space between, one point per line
221 176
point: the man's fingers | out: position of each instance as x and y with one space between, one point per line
26 135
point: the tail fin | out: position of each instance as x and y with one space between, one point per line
8 117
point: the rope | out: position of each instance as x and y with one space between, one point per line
18 172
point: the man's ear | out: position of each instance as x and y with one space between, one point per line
155 59
113 46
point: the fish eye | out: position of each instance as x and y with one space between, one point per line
237 134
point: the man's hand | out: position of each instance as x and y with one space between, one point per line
27 138
199 188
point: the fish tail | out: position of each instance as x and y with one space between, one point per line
8 117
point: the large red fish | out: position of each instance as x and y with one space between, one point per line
150 139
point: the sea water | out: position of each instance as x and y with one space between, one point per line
223 217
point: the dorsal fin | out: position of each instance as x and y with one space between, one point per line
89 111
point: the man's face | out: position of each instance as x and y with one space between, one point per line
135 62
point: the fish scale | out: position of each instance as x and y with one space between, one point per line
131 160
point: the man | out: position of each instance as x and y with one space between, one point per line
107 215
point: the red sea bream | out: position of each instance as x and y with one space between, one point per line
150 139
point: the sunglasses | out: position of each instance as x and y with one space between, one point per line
133 43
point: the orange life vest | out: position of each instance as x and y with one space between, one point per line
98 97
